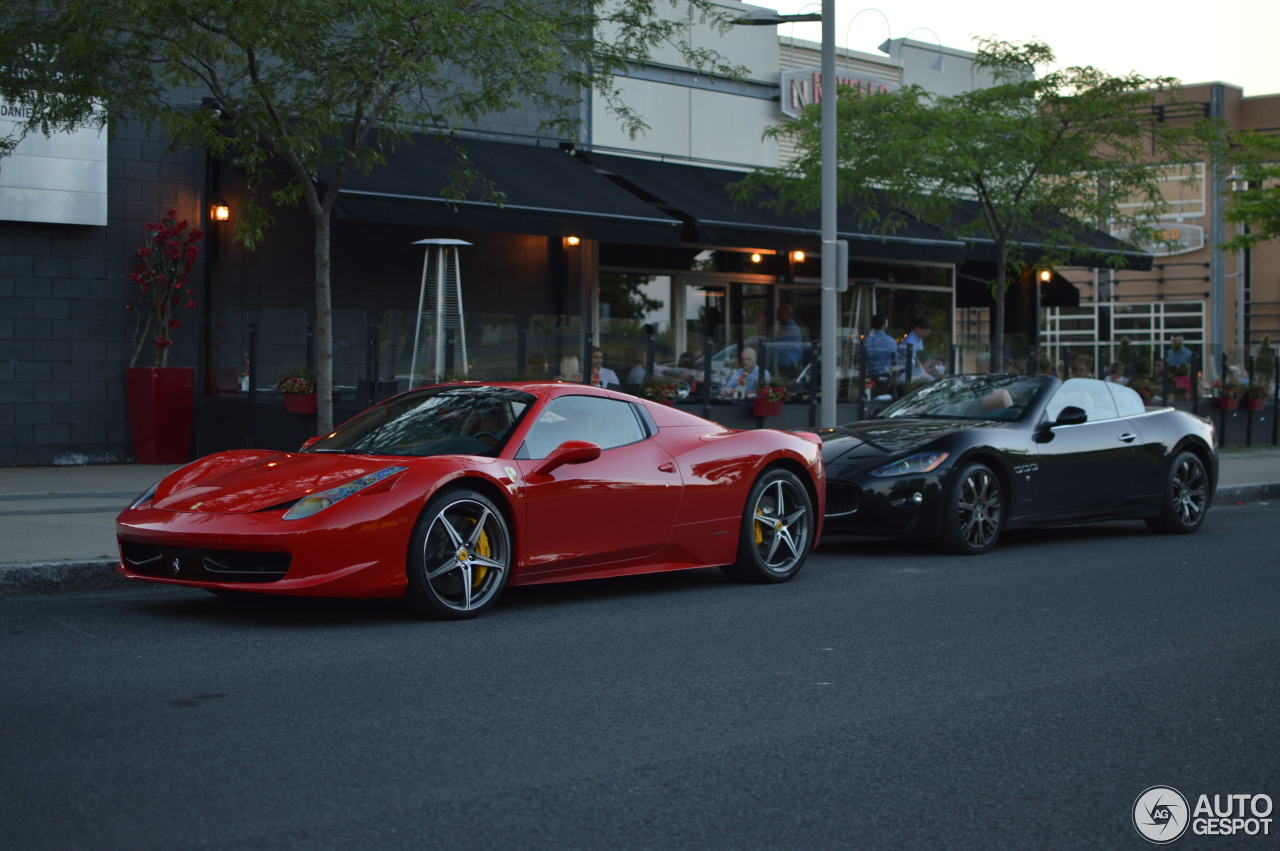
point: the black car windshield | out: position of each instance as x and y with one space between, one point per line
972 397
449 420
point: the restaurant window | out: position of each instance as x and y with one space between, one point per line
635 308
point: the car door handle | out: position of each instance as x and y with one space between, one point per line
1128 437
667 467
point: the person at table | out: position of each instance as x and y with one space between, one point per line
744 381
601 375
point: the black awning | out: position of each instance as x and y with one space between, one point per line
973 287
1093 247
700 196
546 191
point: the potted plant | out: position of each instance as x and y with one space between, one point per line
1229 393
298 387
659 388
162 397
1264 374
769 398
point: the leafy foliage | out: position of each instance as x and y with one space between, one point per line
1258 205
1031 163
292 91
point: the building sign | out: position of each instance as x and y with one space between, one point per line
1166 240
803 86
60 179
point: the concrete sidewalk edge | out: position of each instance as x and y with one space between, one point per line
100 574
54 576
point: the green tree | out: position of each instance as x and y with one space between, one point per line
1031 163
296 91
1257 206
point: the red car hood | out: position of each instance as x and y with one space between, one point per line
247 480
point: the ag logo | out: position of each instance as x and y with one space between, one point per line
1160 814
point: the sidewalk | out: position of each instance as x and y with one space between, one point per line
57 524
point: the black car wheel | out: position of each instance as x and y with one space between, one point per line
974 511
1186 496
460 556
777 529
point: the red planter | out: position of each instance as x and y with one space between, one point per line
1229 403
1256 403
161 408
300 403
764 408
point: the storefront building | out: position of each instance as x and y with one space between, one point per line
1219 302
632 246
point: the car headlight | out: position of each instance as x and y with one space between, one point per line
146 497
318 502
922 462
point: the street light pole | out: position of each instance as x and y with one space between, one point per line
830 252
830 255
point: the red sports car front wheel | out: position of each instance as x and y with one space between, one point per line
460 556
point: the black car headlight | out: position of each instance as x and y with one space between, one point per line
922 462
318 502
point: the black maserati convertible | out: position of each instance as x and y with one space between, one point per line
964 458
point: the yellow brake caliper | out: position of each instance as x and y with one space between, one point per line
480 571
756 528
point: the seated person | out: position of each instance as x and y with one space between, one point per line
569 369
601 375
742 382
487 423
996 400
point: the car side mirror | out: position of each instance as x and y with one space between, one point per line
569 452
309 442
1071 415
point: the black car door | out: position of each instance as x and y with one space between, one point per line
1086 468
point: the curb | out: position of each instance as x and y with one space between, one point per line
1246 493
50 577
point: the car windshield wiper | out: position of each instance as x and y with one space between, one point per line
354 450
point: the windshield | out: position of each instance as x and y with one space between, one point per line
972 397
473 420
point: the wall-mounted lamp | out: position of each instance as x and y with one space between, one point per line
572 240
797 256
219 209
756 257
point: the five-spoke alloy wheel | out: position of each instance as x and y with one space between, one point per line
460 556
1186 496
777 529
974 513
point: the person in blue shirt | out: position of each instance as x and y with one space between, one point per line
743 381
788 345
881 348
913 350
1178 354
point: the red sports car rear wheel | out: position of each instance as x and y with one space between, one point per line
777 529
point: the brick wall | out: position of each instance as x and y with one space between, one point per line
65 337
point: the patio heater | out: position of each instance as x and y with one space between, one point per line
439 334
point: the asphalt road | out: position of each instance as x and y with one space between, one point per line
888 697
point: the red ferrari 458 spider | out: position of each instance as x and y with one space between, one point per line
445 495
